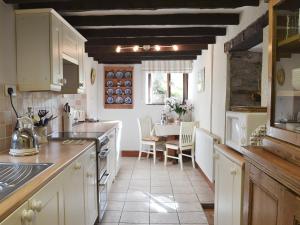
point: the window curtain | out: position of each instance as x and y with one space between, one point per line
168 66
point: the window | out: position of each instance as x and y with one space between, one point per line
165 85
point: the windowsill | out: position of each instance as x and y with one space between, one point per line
155 103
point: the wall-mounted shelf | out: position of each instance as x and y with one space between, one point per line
290 44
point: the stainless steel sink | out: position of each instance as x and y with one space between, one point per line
14 175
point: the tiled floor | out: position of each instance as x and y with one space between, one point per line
144 193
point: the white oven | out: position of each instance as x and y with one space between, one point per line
240 126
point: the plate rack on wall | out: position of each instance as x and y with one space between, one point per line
118 87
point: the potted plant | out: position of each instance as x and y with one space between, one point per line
174 105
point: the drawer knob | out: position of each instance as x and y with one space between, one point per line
77 166
27 215
36 205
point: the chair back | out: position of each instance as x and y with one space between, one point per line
145 127
187 134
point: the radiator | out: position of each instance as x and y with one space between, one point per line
204 152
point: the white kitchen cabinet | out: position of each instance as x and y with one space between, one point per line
111 167
48 204
118 149
19 217
44 42
90 187
74 193
229 173
81 51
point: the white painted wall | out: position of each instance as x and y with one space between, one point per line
130 140
265 68
218 75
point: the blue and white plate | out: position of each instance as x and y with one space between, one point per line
110 83
128 100
110 100
128 91
119 91
119 75
128 83
119 83
119 100
110 75
128 75
110 91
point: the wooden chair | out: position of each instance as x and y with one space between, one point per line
186 142
147 138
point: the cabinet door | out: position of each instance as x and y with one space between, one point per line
74 194
81 84
70 50
291 209
262 200
56 48
118 149
90 187
228 191
48 204
17 217
112 158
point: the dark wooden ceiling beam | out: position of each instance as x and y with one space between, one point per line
119 62
112 49
35 1
81 5
153 32
164 19
151 41
134 59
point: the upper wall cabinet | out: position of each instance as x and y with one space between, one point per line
46 46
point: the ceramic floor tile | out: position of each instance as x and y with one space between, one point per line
135 188
186 198
135 217
189 207
117 197
136 207
115 206
168 198
164 218
183 190
161 190
162 207
192 217
112 217
137 196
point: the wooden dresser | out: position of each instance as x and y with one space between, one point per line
272 172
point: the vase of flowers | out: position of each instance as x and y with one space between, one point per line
174 105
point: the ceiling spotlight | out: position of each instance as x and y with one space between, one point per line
157 48
135 48
146 47
175 47
118 49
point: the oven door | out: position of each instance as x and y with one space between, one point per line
102 162
103 194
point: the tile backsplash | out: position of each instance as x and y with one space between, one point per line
53 102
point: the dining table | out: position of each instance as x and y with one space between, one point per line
165 130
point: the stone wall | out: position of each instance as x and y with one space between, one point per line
245 77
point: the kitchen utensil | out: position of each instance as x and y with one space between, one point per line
24 139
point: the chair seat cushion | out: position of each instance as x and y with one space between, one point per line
151 138
173 142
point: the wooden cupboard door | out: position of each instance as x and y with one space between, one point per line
74 194
16 217
228 191
263 197
82 85
291 209
70 44
48 204
56 48
90 187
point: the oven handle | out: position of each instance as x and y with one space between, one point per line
101 184
104 153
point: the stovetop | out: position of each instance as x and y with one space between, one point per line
76 135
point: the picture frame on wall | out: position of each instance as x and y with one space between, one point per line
201 80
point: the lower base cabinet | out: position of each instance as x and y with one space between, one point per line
68 199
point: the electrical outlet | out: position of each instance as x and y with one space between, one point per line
10 86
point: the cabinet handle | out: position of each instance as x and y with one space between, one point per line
62 81
27 215
77 166
36 205
233 172
216 156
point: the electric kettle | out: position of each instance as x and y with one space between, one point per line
24 139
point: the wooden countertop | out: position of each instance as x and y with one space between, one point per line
281 170
231 154
53 152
